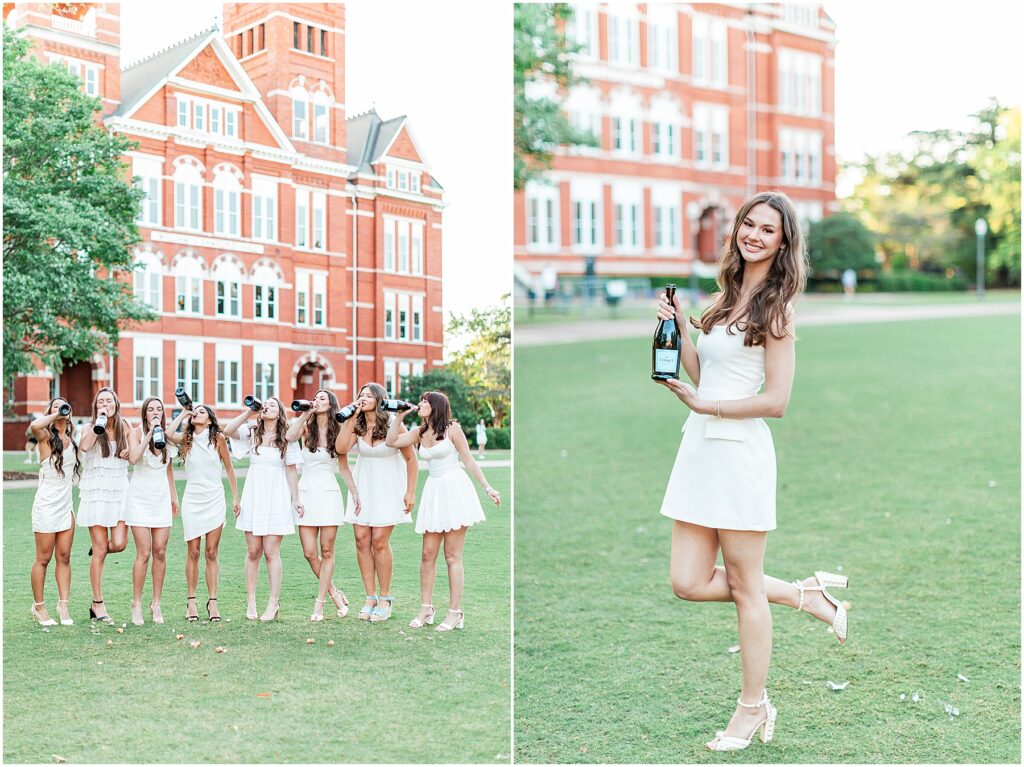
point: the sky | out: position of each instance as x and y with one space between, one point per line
455 87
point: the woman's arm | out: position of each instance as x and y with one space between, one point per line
231 430
459 440
397 438
297 426
687 349
349 480
346 438
225 458
88 437
173 435
412 471
779 368
137 450
293 484
132 440
174 489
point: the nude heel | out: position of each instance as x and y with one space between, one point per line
416 622
766 728
825 580
35 614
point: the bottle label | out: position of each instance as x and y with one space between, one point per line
666 360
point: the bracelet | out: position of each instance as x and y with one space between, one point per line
489 489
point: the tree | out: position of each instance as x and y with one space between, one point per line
464 410
996 164
541 62
69 220
485 360
840 242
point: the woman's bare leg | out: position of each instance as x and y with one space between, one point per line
272 553
383 557
98 535
143 550
192 574
62 552
213 569
118 538
428 570
45 543
364 556
453 543
160 537
253 554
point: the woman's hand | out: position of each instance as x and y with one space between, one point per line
687 395
299 509
174 508
494 495
356 503
405 413
235 507
409 500
666 310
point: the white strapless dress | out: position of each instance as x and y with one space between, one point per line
449 500
52 508
266 502
149 496
724 473
319 491
381 481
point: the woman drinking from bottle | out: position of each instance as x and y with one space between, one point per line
448 506
105 449
381 494
53 517
270 498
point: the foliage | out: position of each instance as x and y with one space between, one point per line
542 63
907 280
451 384
497 439
485 359
922 202
69 219
840 242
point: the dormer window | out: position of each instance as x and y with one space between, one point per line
208 116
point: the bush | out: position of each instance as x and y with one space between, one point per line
706 285
497 439
918 281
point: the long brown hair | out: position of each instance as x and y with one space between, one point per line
57 444
333 427
381 420
163 425
440 417
213 432
280 432
767 308
120 425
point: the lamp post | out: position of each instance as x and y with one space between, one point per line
980 229
693 213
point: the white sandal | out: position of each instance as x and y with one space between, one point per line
418 622
826 580
723 742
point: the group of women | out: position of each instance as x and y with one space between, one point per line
275 498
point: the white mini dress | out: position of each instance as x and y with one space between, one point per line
724 472
266 502
149 496
103 488
319 492
381 480
203 508
53 509
449 500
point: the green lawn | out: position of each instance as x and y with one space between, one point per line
383 693
899 462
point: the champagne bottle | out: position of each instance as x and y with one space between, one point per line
301 405
253 404
665 352
395 405
159 442
64 409
101 424
346 412
183 399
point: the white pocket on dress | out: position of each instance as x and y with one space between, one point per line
734 429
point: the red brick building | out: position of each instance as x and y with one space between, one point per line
285 245
697 106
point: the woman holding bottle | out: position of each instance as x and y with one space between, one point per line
382 491
151 505
270 499
448 506
105 449
320 495
204 452
721 492
53 514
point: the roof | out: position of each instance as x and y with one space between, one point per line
139 78
368 137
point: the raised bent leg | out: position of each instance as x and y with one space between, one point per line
118 538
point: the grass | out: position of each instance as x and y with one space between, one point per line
886 456
383 693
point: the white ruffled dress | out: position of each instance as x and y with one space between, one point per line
103 488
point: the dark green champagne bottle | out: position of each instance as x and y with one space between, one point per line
665 353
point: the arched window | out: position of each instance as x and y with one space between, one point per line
229 288
227 193
188 285
188 197
266 287
148 279
321 118
300 113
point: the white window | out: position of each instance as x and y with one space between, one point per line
148 280
584 108
183 113
626 114
231 123
321 117
389 244
150 172
800 156
188 285
148 353
799 82
414 182
188 367
319 312
215 121
389 315
623 37
404 369
264 209
807 212
229 289
265 291
662 37
667 219
227 194
800 14
301 297
404 317
403 181
92 84
587 222
542 215
416 266
319 229
403 247
710 52
391 178
302 218
417 318
188 198
300 114
228 374
628 200
391 377
582 30
199 117
265 366
711 136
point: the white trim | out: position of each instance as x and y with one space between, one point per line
254 344
75 41
412 137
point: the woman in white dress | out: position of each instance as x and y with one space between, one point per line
320 496
270 499
53 517
150 508
203 450
722 488
381 494
103 489
448 506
